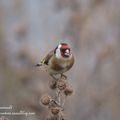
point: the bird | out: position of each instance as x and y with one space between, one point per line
58 61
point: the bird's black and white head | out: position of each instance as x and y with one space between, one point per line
63 51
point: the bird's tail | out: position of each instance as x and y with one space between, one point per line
39 64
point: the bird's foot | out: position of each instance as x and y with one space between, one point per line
54 77
63 76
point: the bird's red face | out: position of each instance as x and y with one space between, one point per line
63 50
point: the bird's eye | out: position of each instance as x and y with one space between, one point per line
63 49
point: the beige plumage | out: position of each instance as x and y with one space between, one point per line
58 61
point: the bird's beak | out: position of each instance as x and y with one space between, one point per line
67 52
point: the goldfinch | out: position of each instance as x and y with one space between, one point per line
58 61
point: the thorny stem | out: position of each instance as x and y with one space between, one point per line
64 100
62 90
58 96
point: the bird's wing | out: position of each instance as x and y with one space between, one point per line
47 58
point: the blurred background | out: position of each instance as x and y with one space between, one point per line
29 29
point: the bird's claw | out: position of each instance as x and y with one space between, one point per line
63 76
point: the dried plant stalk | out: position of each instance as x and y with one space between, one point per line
56 105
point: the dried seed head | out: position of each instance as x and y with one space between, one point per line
55 110
53 84
61 84
45 99
3 118
68 90
53 117
50 118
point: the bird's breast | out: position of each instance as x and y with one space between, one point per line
60 65
57 65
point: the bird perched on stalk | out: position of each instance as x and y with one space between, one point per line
58 61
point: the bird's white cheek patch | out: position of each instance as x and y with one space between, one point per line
58 53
